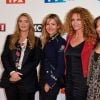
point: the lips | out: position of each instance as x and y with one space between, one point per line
23 26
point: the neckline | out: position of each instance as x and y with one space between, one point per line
77 44
97 53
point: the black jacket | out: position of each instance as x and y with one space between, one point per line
52 64
29 81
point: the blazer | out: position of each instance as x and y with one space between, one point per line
52 64
85 54
29 81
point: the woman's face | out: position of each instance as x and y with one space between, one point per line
76 22
98 27
23 24
51 27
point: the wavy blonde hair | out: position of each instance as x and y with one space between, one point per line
87 20
16 34
45 36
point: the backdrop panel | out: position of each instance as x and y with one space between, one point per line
10 10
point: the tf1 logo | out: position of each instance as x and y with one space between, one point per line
54 1
15 1
2 27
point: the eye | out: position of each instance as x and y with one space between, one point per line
47 23
72 19
79 19
53 24
20 21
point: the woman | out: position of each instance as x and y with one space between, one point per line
52 64
93 80
20 58
80 42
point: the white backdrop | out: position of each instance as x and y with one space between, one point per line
10 10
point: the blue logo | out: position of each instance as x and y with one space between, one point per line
54 1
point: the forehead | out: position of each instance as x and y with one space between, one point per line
76 15
51 20
23 18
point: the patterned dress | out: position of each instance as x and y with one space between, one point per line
93 80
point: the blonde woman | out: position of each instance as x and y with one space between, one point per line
52 64
20 58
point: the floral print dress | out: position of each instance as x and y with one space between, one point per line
93 80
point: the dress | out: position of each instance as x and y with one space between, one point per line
94 78
76 83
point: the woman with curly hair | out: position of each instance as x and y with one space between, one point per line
20 58
80 42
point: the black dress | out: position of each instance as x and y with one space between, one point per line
76 85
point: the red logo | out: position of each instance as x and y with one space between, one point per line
15 1
2 27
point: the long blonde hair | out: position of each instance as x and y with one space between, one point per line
16 34
45 36
87 20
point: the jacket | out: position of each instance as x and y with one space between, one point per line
85 54
52 64
29 81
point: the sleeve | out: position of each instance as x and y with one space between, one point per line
60 68
90 69
6 57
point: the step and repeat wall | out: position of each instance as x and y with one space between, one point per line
38 9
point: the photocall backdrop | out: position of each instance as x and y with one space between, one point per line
38 9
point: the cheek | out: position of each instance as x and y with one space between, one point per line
98 29
46 27
72 23
19 24
28 26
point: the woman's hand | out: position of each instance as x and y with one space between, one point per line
15 76
47 87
